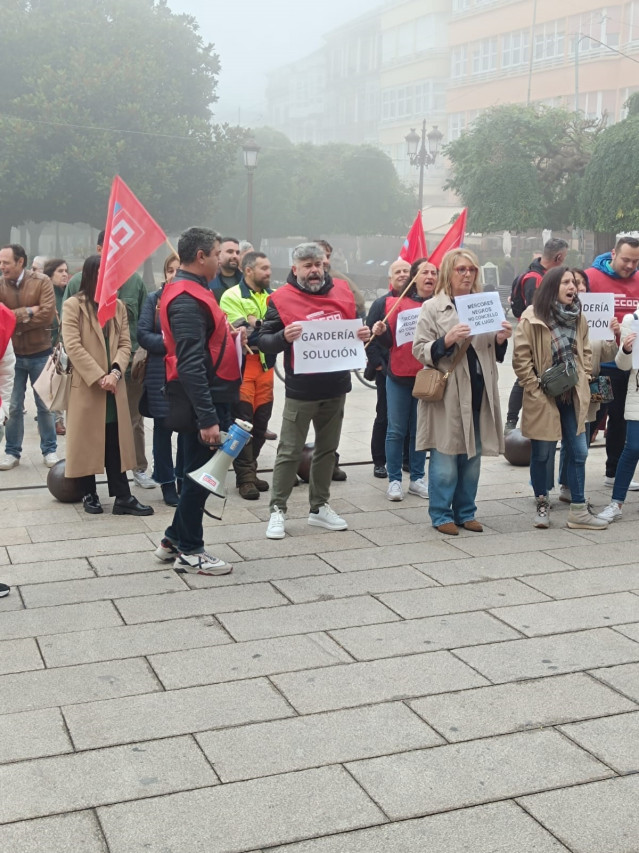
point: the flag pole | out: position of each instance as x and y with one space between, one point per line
394 307
170 245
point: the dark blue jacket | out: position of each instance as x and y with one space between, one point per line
150 337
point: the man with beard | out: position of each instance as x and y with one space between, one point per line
317 398
229 273
245 305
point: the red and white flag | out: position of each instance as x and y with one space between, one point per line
415 243
452 239
131 235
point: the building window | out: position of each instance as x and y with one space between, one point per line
484 56
514 49
549 41
461 5
458 61
456 125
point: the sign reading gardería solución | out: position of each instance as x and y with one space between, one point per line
328 345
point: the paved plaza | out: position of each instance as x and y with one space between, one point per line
381 689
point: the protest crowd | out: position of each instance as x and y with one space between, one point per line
197 357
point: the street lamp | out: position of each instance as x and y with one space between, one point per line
250 150
419 156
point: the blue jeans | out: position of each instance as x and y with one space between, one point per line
576 453
563 475
627 462
402 421
186 531
452 483
163 469
29 367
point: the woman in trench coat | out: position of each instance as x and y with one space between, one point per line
466 424
99 432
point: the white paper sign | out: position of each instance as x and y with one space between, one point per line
634 326
599 309
239 349
327 346
483 312
406 325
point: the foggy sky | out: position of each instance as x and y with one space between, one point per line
254 36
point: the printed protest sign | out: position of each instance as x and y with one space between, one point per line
483 312
328 345
406 325
599 309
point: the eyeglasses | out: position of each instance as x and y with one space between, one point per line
464 270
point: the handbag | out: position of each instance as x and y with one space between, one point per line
138 365
601 390
559 378
430 383
53 386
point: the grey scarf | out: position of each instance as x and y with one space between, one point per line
563 331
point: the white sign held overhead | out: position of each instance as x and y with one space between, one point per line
406 325
483 312
327 346
599 309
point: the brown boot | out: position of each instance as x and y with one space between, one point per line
450 529
248 491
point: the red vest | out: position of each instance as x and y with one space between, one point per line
626 290
221 344
7 327
295 305
402 362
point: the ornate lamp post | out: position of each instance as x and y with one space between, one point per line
250 150
419 156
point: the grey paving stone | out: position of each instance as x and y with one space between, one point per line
402 534
515 543
175 712
518 659
420 635
26 691
4 557
79 548
631 631
55 512
132 641
128 563
84 528
384 557
19 655
572 614
592 555
304 618
316 543
53 834
75 591
579 582
247 660
178 605
375 681
11 602
495 567
507 708
32 734
448 777
322 588
58 620
14 536
625 679
614 740
598 818
79 781
55 570
455 599
493 828
301 742
242 815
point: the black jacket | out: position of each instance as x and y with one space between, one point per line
376 355
150 337
301 386
531 283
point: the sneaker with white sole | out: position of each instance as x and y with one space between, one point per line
580 518
144 480
8 461
394 492
542 513
611 513
327 518
276 529
418 487
610 481
50 459
201 564
166 551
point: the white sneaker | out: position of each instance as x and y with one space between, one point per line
201 564
276 529
394 492
611 513
8 461
144 480
610 481
418 487
328 518
50 459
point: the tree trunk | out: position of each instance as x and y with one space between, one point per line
35 232
147 275
604 241
6 224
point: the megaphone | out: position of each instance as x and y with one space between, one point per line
212 475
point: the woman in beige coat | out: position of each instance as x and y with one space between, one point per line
466 424
553 331
99 432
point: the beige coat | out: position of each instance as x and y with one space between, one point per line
86 415
532 355
448 425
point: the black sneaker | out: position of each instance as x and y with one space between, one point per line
92 505
130 506
380 471
4 590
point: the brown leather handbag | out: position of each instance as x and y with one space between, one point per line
430 383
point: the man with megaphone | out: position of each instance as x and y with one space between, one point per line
203 380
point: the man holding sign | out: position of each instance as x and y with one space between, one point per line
310 294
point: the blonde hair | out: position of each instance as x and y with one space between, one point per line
171 258
449 261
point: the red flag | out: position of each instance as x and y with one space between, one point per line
131 235
453 239
415 243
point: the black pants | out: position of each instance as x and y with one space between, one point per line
116 479
616 429
378 438
515 402
245 465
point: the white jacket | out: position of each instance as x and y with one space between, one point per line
624 362
7 371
